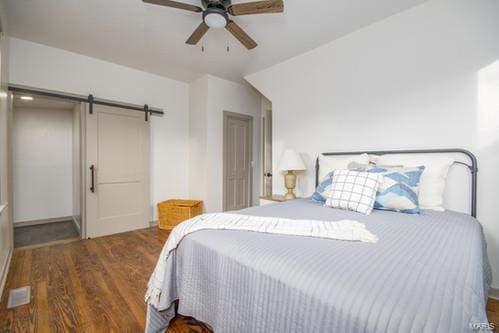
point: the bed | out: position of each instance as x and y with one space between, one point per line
427 273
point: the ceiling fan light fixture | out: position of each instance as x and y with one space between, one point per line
216 15
215 18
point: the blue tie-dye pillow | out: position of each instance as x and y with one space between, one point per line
320 194
399 189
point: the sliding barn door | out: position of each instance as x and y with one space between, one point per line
117 182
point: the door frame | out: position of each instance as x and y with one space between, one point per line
249 119
84 108
266 157
10 160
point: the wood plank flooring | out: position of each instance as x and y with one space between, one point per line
94 285
493 312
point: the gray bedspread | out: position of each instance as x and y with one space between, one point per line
427 273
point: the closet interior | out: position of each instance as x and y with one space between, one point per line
46 151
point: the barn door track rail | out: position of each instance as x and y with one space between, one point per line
90 99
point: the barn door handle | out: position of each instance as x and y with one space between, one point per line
92 177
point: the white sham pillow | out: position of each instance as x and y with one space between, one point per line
353 190
433 179
330 163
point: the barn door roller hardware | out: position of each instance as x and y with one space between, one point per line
90 99
146 111
91 104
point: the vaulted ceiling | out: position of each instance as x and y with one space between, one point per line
152 38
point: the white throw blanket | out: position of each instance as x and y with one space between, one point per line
341 230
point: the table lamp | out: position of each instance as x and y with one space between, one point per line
291 161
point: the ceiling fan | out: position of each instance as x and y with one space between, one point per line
216 14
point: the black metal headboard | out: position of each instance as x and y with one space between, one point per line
473 167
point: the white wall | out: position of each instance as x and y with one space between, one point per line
42 163
198 149
41 66
210 97
420 79
6 230
266 104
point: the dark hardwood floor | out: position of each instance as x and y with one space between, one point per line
493 312
94 285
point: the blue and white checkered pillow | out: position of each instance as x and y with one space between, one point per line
322 190
399 189
353 190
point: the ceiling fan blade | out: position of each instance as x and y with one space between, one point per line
258 7
241 36
175 4
198 34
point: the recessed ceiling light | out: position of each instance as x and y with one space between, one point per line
26 98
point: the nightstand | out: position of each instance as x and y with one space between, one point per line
268 199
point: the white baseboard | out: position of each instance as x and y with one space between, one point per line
153 223
76 223
5 272
42 221
494 293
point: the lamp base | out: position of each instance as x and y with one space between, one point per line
290 183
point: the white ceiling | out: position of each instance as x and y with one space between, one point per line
151 38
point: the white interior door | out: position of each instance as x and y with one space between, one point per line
117 181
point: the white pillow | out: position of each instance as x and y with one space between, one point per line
432 183
330 163
353 190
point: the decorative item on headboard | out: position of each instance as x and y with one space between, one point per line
291 161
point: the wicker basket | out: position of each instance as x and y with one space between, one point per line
172 212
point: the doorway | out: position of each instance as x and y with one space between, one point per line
109 147
237 156
46 151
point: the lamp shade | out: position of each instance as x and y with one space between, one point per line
291 160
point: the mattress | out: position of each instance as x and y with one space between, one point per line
427 273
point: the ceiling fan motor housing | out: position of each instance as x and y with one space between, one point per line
224 3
